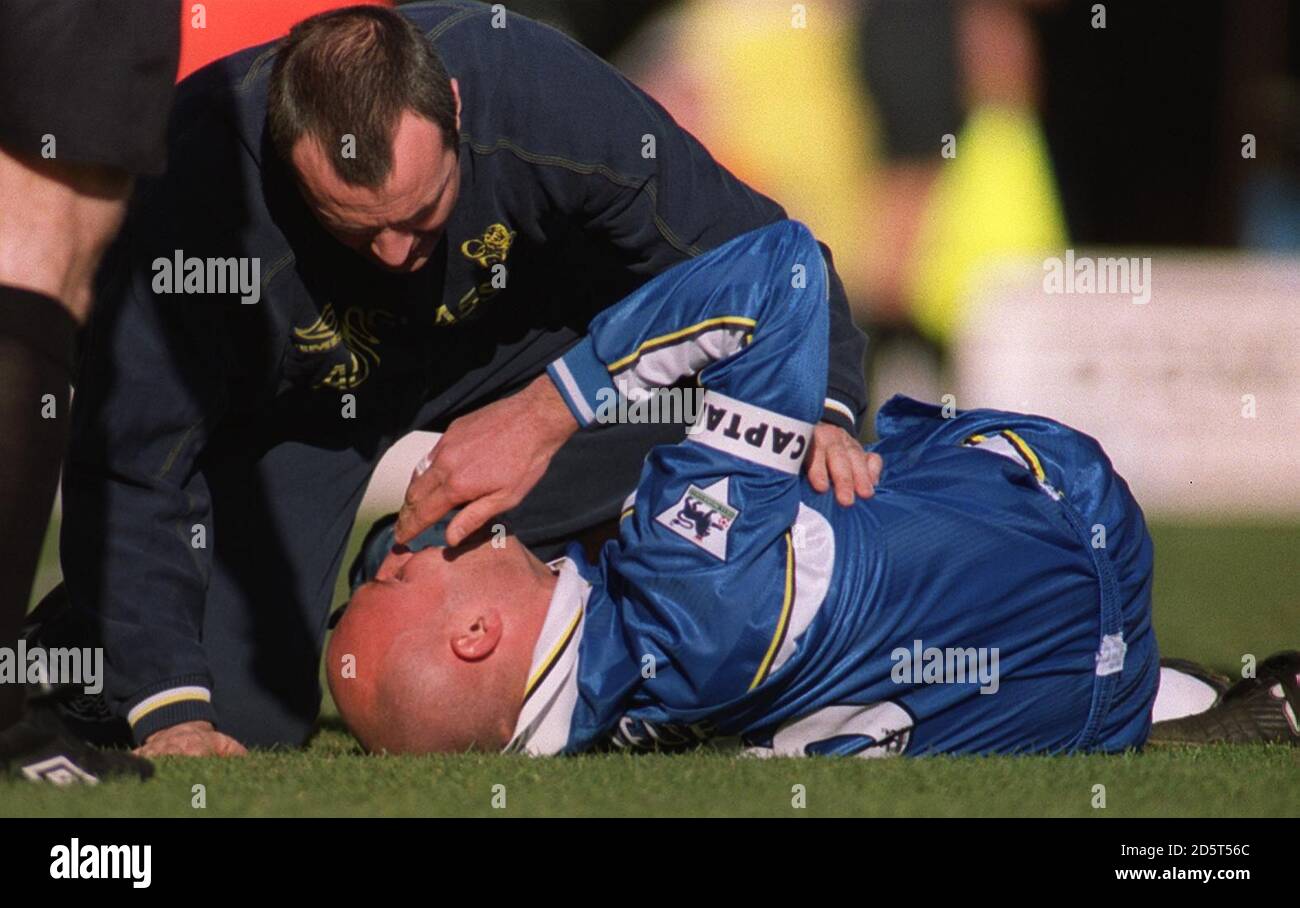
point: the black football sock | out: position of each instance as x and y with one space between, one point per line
36 338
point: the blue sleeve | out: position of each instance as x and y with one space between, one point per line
762 294
703 568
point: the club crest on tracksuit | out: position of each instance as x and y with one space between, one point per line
703 517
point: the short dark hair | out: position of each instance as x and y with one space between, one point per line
354 72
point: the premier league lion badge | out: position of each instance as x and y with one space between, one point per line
703 517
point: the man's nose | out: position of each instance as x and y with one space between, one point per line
394 561
392 247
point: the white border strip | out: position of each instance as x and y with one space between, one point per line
575 393
167 698
844 409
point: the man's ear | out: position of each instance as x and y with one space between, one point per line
455 93
480 638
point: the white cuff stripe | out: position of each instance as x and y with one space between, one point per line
167 698
574 392
844 409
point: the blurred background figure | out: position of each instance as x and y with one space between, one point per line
904 132
929 140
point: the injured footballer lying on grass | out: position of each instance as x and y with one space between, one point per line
994 596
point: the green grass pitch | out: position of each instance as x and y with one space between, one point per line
1221 592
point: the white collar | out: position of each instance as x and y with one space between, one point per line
552 690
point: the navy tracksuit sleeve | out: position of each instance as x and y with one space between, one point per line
139 551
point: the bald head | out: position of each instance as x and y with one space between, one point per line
432 656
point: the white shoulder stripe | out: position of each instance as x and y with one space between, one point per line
814 562
662 367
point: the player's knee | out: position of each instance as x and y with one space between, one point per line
53 241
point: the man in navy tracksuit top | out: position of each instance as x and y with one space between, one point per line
358 236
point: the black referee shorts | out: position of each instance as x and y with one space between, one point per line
96 75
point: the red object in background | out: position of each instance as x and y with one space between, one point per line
232 25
